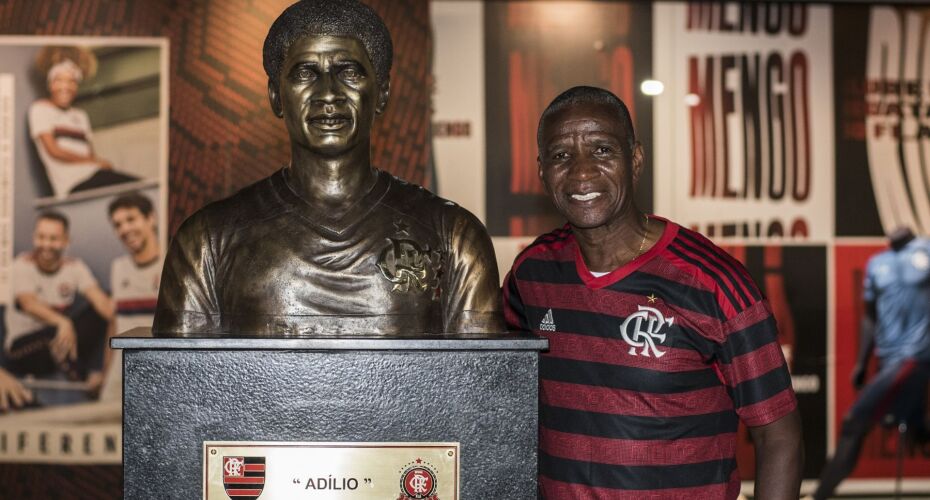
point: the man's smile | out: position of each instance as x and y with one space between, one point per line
586 196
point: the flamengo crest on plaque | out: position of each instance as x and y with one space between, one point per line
243 477
243 470
418 481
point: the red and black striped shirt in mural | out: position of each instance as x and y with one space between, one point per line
650 367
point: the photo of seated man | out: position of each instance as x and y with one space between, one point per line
61 131
60 316
134 276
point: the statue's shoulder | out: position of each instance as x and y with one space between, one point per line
413 198
251 204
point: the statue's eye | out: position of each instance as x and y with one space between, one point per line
351 74
303 73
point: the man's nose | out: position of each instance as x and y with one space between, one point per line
583 168
329 89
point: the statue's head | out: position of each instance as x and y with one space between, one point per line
328 64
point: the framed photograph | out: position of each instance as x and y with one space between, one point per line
83 197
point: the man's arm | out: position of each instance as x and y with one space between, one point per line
100 302
12 393
779 458
866 343
64 345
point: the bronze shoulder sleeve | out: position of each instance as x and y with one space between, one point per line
187 297
471 297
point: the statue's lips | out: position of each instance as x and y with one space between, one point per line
330 122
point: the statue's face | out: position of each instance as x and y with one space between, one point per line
328 94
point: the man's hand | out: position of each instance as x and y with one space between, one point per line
858 376
64 346
12 393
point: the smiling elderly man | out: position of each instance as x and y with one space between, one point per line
659 341
329 244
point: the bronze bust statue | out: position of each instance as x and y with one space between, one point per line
329 245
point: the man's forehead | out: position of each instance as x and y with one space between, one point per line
584 117
126 212
49 225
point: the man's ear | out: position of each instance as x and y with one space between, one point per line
638 161
274 97
383 94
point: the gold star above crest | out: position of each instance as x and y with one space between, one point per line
652 298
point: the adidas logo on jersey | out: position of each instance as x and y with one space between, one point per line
548 323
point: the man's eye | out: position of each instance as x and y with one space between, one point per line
603 150
351 74
561 155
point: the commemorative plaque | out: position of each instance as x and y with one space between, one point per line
334 471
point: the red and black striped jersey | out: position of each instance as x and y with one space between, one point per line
650 367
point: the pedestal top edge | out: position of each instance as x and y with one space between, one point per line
141 338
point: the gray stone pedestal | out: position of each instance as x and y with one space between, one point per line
478 391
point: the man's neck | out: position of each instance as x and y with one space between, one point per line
608 247
331 185
148 254
49 267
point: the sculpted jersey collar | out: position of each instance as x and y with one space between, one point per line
358 212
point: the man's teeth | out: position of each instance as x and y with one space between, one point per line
585 197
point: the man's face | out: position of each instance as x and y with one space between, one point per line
133 228
328 94
49 240
587 166
62 89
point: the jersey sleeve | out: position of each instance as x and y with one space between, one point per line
753 367
83 276
470 286
41 119
187 297
514 309
21 277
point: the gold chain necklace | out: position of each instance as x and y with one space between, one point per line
642 244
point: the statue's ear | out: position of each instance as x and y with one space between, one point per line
383 93
274 97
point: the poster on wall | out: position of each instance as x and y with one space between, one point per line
533 52
879 454
83 153
883 125
745 149
793 279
